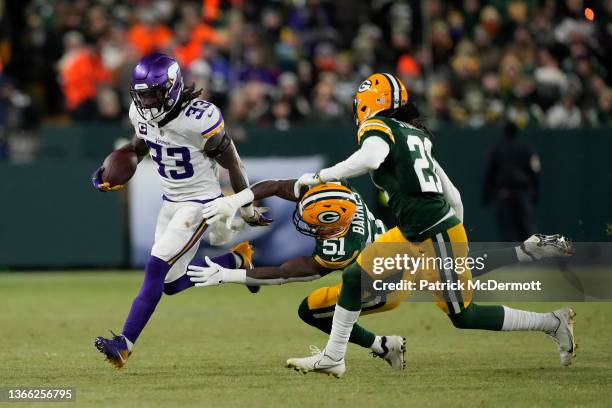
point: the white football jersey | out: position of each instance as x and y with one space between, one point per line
186 173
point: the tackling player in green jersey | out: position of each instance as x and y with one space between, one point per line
342 225
397 152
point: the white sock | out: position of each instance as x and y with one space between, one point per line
521 320
238 259
377 345
129 343
342 325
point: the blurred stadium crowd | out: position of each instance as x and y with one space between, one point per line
276 63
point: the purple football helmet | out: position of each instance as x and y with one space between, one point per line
156 85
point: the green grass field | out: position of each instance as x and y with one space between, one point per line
223 346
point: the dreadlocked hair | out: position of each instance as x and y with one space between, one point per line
189 93
410 114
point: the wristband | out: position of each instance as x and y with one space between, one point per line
234 276
243 198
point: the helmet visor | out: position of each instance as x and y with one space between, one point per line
149 98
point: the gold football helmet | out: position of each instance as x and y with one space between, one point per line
379 92
325 211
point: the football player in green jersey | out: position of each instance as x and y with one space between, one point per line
396 149
342 225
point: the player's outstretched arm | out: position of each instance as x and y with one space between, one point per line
136 146
300 269
370 156
275 188
221 148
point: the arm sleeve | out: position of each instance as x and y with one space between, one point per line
370 156
451 194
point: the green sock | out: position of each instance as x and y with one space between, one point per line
350 294
359 335
481 317
494 259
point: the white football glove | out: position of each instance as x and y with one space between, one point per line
306 179
214 274
224 208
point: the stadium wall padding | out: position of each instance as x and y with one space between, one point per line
53 218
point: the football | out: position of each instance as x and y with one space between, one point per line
119 167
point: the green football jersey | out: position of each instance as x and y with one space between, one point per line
408 178
338 253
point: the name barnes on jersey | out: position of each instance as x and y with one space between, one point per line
480 285
359 220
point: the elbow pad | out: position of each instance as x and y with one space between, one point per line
223 145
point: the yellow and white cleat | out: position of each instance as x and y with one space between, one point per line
319 362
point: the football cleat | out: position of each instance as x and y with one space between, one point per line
564 335
319 362
540 246
394 350
245 251
117 350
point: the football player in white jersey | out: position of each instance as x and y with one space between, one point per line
185 136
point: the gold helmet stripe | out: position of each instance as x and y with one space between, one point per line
395 90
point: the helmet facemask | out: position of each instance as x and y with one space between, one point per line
326 211
319 231
149 101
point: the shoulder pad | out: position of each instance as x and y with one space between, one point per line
202 117
375 124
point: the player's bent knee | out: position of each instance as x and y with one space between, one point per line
162 253
305 313
467 319
460 320
352 275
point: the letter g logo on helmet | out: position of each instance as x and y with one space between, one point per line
328 217
365 85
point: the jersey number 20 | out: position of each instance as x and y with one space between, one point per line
424 166
181 157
